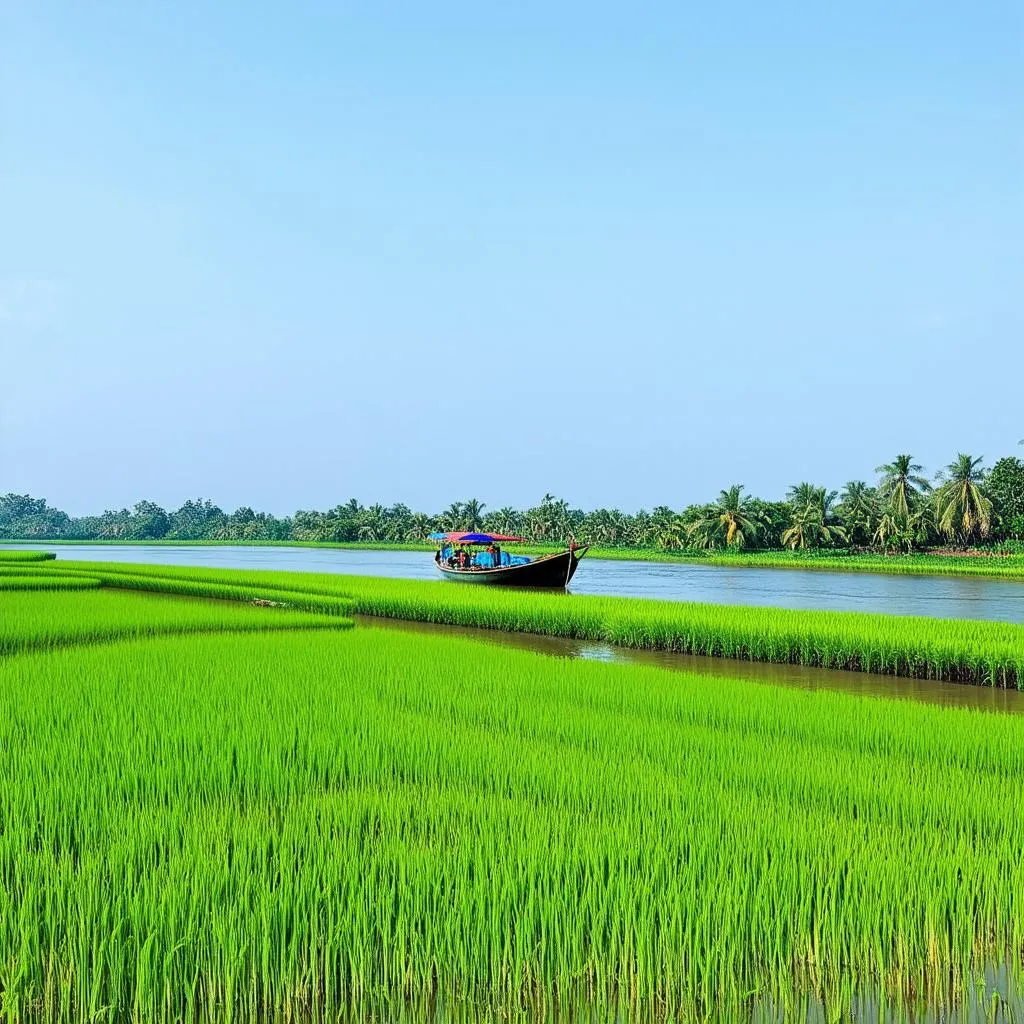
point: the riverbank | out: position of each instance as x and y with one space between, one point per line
979 652
983 565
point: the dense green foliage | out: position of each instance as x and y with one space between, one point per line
280 824
990 653
1005 486
902 513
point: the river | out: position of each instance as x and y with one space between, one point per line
944 597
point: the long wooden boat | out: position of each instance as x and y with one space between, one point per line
547 571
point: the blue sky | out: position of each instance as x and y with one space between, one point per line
281 255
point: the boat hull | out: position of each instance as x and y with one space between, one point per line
549 572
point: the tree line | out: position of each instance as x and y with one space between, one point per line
904 510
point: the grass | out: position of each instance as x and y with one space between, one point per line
26 556
281 824
988 653
985 567
13 581
34 621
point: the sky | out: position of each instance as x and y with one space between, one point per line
280 255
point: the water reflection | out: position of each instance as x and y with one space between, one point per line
991 995
802 677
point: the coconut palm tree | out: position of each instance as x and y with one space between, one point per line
962 511
728 521
672 533
902 485
893 532
812 527
472 514
814 521
374 526
639 528
803 494
452 517
504 520
549 519
419 526
858 510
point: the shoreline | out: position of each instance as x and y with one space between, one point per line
977 565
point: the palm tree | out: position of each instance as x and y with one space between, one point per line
472 514
550 518
813 526
728 521
672 533
893 532
452 517
804 494
419 526
505 520
639 528
814 519
858 510
962 510
374 526
902 485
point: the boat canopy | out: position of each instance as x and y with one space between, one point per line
476 538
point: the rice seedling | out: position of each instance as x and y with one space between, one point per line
26 556
14 581
34 621
296 824
988 653
992 567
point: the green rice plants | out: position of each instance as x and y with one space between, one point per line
47 582
26 556
299 824
988 653
52 618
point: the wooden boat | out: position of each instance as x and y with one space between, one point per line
547 571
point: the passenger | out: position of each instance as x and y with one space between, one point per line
497 555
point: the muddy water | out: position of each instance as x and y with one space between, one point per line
801 677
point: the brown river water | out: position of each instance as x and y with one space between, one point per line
864 684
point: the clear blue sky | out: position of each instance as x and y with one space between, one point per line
284 254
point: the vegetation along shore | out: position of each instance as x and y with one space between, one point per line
903 510
279 817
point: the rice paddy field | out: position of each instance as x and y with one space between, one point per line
979 652
218 810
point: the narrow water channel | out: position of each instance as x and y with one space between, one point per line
802 677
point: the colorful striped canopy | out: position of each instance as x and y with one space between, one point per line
476 538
